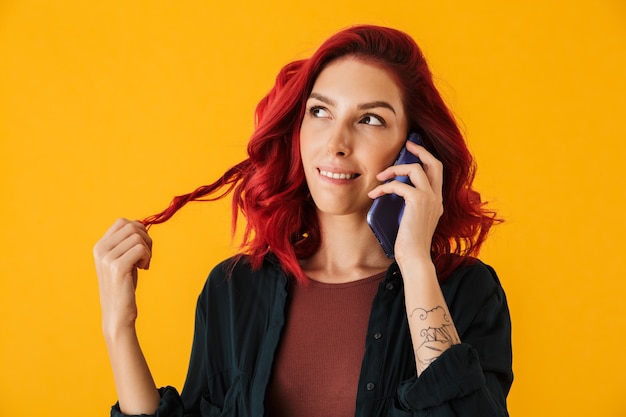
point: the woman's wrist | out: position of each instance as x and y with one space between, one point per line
115 333
415 264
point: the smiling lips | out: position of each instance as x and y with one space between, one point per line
337 175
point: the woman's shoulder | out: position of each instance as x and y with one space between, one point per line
238 292
474 280
477 302
239 271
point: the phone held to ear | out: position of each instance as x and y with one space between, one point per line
386 212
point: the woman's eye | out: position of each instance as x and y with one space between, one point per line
319 112
372 120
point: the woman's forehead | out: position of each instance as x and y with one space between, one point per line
358 79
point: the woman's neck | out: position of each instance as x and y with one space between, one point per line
348 251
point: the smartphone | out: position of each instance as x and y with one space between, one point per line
386 212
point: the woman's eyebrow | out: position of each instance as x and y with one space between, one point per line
364 106
322 98
375 104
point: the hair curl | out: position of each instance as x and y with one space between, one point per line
269 187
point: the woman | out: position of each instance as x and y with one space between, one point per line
312 318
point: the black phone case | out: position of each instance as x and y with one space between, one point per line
386 212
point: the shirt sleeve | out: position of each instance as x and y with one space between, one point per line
170 405
473 378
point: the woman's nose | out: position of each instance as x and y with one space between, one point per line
339 142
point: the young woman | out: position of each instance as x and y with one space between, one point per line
312 318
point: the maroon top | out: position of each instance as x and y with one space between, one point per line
317 368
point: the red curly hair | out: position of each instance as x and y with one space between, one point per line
269 187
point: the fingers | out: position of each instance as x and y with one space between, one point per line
127 242
427 177
123 227
132 250
432 167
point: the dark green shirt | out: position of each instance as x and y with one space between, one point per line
241 312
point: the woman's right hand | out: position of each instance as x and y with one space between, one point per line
125 247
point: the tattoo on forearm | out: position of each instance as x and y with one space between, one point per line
436 337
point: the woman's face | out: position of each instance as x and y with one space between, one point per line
353 128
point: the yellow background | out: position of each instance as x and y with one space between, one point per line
109 108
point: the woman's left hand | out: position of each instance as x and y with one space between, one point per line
423 202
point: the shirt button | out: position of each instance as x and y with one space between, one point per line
377 336
370 386
389 286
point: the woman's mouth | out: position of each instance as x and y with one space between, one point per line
337 175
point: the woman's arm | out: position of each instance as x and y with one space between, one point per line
472 378
125 247
430 323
